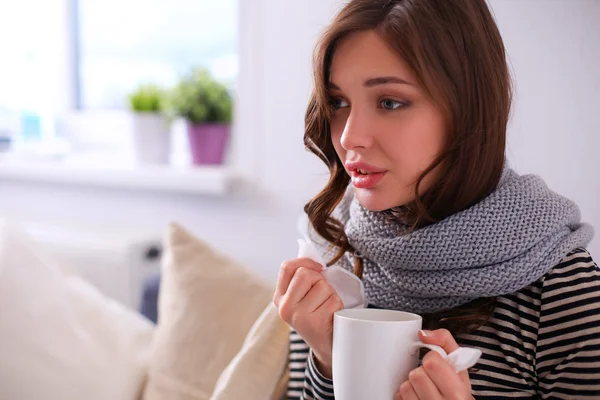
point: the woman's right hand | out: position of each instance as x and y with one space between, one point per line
307 302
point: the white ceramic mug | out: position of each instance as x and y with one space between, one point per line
374 351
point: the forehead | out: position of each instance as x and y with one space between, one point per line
365 55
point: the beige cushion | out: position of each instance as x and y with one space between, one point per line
259 371
207 305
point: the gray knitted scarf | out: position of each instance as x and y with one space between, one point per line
500 245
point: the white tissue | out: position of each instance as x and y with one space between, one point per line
347 285
464 358
460 359
308 250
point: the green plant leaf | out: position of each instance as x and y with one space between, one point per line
148 98
201 99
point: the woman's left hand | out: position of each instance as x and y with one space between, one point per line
435 379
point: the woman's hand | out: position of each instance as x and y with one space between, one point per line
307 302
435 379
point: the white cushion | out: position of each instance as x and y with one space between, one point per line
60 337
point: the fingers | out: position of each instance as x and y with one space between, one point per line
441 373
302 282
331 305
439 370
286 273
406 392
317 295
440 337
320 303
423 386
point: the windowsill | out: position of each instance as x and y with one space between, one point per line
209 180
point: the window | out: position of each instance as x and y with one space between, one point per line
126 42
34 72
68 67
60 55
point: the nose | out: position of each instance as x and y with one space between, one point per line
357 132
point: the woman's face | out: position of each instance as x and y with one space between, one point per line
385 129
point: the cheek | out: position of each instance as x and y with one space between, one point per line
411 149
419 150
416 144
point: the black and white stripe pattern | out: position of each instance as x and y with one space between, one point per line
542 342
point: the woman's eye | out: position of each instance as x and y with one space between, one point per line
390 104
339 103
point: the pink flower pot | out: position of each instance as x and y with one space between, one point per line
208 143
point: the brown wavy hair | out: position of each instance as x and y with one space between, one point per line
456 53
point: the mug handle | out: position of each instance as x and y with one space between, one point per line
460 359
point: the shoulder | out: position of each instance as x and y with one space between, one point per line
577 258
568 342
570 302
576 275
565 300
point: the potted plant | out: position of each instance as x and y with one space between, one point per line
151 133
207 107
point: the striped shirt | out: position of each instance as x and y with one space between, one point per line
542 342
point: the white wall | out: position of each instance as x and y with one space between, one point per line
554 49
555 131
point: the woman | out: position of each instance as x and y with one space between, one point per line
409 112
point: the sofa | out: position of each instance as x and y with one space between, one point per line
149 300
217 335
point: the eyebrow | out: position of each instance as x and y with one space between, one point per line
381 80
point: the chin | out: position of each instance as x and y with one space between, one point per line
377 200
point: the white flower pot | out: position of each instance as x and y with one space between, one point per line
151 138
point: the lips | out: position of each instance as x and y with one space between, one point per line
364 176
363 167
